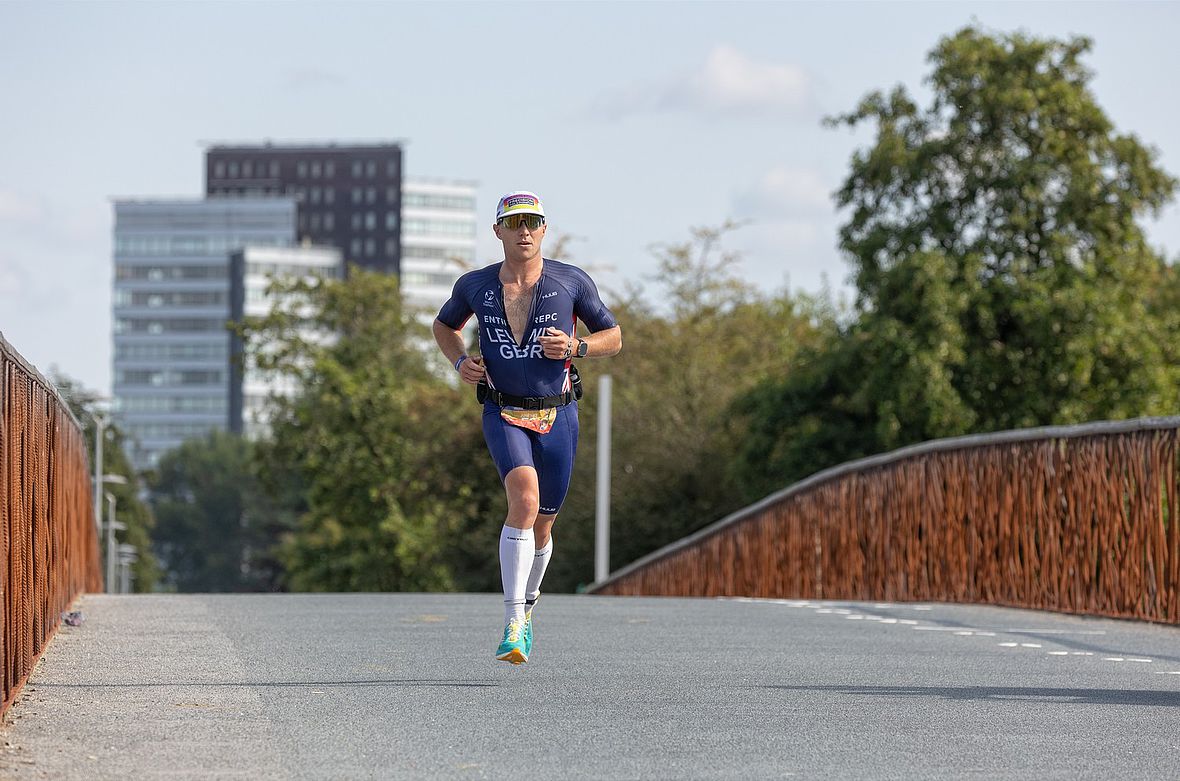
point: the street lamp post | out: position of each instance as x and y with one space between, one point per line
100 425
602 504
112 525
127 556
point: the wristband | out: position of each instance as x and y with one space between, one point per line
459 361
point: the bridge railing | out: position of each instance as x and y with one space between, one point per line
48 543
1079 519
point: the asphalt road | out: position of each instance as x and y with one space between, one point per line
377 686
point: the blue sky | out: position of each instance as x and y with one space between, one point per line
634 121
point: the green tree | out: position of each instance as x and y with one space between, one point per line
130 510
679 371
379 445
1002 277
215 527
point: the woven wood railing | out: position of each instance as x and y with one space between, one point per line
1079 519
48 543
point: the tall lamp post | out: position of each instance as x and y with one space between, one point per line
112 525
602 503
127 556
100 425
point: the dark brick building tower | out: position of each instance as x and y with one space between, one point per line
349 196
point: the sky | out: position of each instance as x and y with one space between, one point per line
635 122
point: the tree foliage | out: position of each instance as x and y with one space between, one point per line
376 442
681 366
1002 277
215 528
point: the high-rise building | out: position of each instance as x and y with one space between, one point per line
349 196
439 225
171 308
251 271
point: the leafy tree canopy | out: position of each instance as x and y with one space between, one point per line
382 447
1002 277
215 528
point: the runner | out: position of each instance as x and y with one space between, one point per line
527 308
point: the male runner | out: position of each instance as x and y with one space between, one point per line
527 308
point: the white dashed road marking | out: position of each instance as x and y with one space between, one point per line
830 609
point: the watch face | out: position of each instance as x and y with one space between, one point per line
582 347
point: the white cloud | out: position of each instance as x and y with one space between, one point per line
732 82
784 191
728 83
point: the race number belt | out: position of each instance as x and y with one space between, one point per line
523 402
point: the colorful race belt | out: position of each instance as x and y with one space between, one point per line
538 420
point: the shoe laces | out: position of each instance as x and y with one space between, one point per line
512 633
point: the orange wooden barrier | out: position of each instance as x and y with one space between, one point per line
48 544
1078 519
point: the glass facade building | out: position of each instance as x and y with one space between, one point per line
171 308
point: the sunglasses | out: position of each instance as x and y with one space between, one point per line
531 221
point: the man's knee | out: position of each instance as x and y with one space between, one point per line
524 496
525 500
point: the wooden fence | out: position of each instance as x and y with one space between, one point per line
1079 519
48 543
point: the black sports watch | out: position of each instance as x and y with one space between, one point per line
582 348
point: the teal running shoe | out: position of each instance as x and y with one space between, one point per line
528 631
512 648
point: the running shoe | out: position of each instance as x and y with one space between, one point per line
512 647
528 630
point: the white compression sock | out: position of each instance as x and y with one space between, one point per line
537 573
516 557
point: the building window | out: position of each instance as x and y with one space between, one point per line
356 169
370 169
355 247
370 248
391 195
391 169
438 201
329 195
329 169
219 169
301 169
315 195
391 221
233 170
357 195
316 169
274 169
247 169
391 247
370 221
371 195
439 228
356 221
329 221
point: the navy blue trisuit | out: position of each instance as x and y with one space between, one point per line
563 295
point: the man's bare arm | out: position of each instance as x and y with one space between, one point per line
452 344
